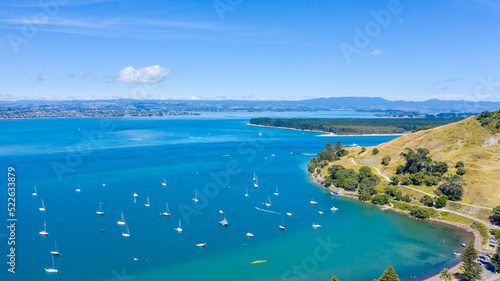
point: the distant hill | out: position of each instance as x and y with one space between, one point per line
333 103
469 141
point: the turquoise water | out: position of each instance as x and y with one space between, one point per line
217 156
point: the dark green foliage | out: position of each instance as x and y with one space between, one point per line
394 180
381 199
495 259
459 165
495 217
427 201
461 171
441 201
440 167
490 120
334 278
406 198
422 213
354 126
471 269
483 230
365 172
312 165
389 275
386 160
452 187
363 149
375 151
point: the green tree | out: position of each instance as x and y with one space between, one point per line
471 269
495 259
459 165
365 172
452 187
461 171
381 199
334 278
495 217
389 275
386 160
375 151
427 201
445 275
441 201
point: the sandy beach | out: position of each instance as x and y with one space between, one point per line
327 134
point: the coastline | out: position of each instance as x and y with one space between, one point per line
454 265
327 134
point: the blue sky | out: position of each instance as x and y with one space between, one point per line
242 49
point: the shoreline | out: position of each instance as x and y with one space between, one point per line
455 265
328 134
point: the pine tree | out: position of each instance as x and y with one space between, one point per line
334 278
495 259
389 275
471 269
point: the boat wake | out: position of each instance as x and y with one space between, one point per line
308 153
267 211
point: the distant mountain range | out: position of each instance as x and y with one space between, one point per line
334 103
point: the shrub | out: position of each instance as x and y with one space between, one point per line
461 171
422 213
441 201
375 151
427 201
381 199
386 160
394 180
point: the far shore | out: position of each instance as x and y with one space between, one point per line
455 265
328 134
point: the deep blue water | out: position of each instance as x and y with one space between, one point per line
216 155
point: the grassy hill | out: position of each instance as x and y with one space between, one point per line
467 141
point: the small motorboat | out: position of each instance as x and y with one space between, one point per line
316 225
334 208
201 245
457 253
463 245
313 202
249 234
289 214
135 195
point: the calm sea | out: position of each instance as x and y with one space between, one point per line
214 156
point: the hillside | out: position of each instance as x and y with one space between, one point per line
476 146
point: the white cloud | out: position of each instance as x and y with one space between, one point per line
148 75
377 52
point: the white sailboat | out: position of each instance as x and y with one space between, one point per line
127 232
55 252
121 221
282 225
195 199
164 183
44 231
100 212
256 183
201 245
167 211
254 177
334 208
277 192
35 193
316 225
246 193
313 202
179 229
320 211
147 203
53 268
42 209
224 221
249 234
268 202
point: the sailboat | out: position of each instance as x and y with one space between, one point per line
246 193
195 199
254 177
313 202
122 221
334 208
147 203
42 209
44 231
256 183
179 229
55 252
164 183
201 245
35 193
135 195
276 193
316 225
320 211
282 227
224 221
53 268
127 232
249 234
268 202
100 212
167 211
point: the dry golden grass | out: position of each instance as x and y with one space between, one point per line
463 141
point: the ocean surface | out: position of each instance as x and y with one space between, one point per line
214 155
